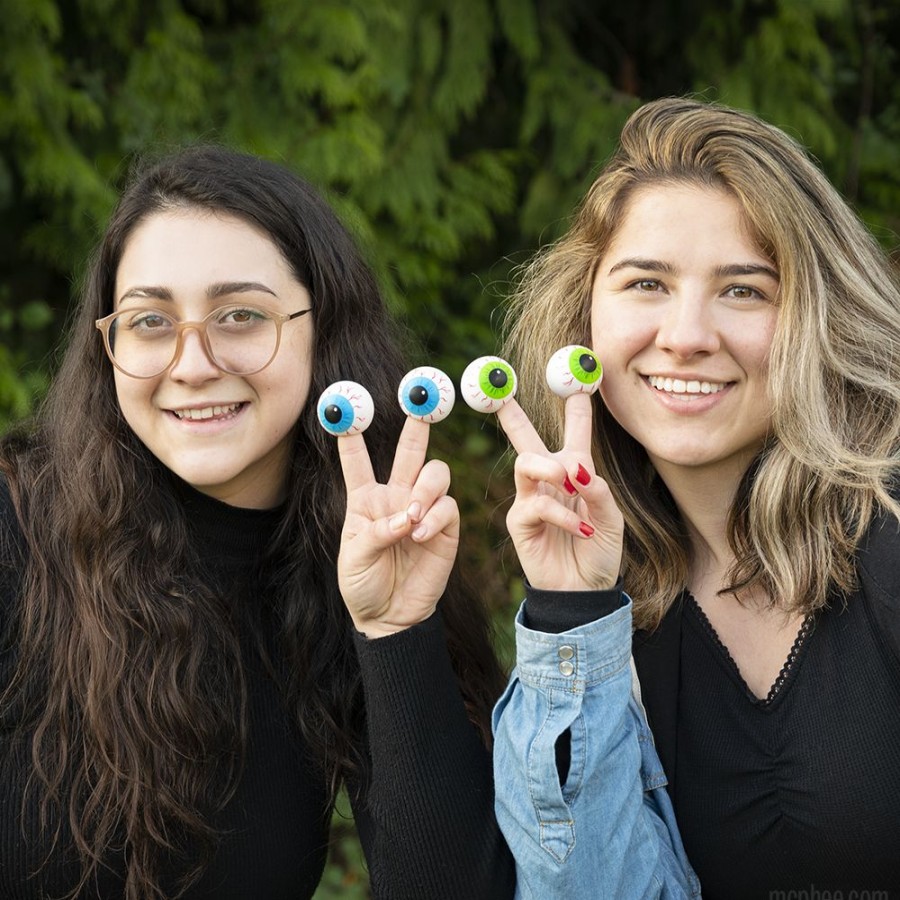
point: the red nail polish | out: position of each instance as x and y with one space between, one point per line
585 529
569 486
581 476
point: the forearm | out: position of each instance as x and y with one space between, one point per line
607 829
426 816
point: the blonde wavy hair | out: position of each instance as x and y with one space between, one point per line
834 371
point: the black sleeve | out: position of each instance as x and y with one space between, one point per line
554 612
426 813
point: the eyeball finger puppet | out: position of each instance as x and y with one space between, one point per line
574 370
488 383
427 394
345 407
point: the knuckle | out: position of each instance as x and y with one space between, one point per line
521 463
440 470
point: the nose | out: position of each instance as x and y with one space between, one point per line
192 362
687 328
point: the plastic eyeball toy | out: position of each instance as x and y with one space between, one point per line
426 394
345 407
574 370
488 383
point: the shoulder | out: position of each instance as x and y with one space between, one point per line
12 541
12 549
10 529
878 558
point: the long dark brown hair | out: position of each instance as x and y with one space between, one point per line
129 683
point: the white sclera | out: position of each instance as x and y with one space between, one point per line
426 394
354 404
480 392
567 376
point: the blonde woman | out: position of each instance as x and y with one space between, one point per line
738 470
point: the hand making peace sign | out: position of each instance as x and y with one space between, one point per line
564 523
399 539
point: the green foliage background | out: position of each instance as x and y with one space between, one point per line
452 136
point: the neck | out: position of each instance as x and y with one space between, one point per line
704 499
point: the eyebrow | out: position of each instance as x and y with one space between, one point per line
648 265
746 269
729 271
214 291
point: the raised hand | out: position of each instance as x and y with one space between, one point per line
564 523
399 539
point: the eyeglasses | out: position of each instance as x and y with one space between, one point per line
239 340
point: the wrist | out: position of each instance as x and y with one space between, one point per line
374 629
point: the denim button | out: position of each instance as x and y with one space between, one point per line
566 652
566 668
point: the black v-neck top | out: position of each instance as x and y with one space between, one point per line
798 789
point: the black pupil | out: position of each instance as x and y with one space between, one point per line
587 362
333 414
498 378
418 395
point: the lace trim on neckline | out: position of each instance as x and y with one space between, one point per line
789 664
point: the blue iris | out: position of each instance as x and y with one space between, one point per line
420 396
336 414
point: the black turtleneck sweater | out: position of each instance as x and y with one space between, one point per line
425 819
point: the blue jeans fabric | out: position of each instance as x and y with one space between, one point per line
608 832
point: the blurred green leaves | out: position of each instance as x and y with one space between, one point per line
451 137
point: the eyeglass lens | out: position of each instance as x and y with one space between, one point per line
242 340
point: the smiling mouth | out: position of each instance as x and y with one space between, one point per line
207 412
681 386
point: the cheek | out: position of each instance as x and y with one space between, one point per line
617 336
753 345
286 389
134 397
298 354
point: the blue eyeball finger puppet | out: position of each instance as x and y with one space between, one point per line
345 407
426 394
574 370
488 383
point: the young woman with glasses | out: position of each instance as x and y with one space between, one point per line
206 629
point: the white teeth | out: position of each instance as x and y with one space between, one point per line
679 386
208 412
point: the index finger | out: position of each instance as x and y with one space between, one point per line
410 454
579 423
355 462
518 428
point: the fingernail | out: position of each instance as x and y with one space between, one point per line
414 511
581 476
585 529
399 521
569 486
419 532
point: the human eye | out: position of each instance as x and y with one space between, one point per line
237 316
145 322
574 370
345 407
488 383
426 393
646 286
745 293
